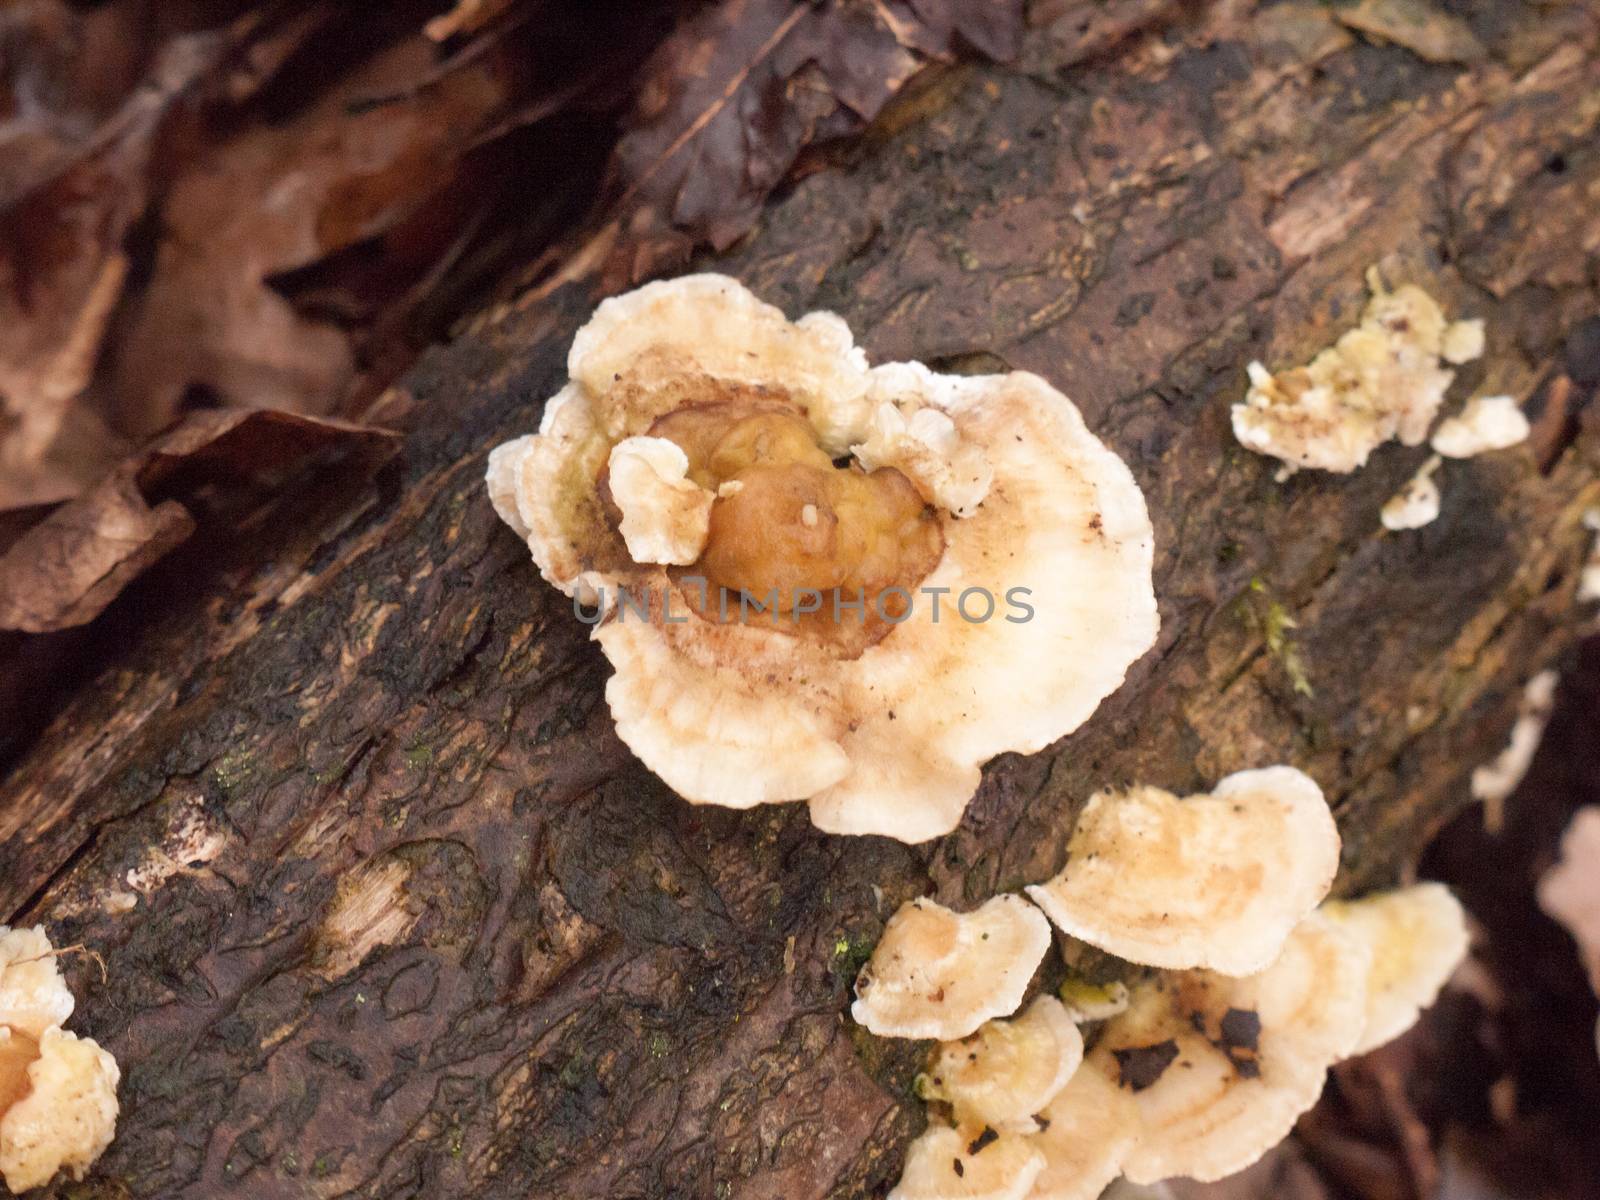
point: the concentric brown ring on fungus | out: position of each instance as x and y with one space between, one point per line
1214 881
974 581
1219 1067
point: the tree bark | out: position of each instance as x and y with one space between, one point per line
386 908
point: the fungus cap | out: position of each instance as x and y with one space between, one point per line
968 1164
1009 1069
1219 1067
1416 937
1417 503
941 974
1214 881
1486 423
1088 1129
1569 892
1028 610
67 1117
33 996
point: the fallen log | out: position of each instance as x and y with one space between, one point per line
387 909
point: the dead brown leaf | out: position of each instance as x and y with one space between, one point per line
275 198
730 99
62 270
1426 31
66 569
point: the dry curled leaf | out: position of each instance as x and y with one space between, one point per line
62 271
66 569
731 98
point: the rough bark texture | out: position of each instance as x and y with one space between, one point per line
386 908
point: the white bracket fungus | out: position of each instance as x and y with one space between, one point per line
1381 380
1486 423
941 974
1213 881
957 1164
1416 504
860 633
1494 781
1007 1071
1589 581
1569 892
1089 1128
1417 937
58 1092
1219 1068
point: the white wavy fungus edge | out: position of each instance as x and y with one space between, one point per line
941 974
1203 1118
941 1165
1417 937
1006 1072
1216 880
890 742
66 1115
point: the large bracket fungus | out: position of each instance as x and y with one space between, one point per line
1214 881
822 581
1219 1068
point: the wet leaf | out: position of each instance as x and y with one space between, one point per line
66 569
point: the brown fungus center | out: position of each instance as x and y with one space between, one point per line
833 552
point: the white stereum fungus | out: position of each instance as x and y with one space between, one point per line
58 1092
1589 581
1214 881
1087 1131
1494 782
941 974
1417 503
1486 423
1381 380
1569 892
974 581
67 1116
1417 937
968 1164
1219 1068
33 996
1007 1071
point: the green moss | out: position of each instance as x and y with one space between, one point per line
1276 625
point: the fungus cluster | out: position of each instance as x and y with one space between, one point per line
58 1092
1202 1065
819 580
1382 380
